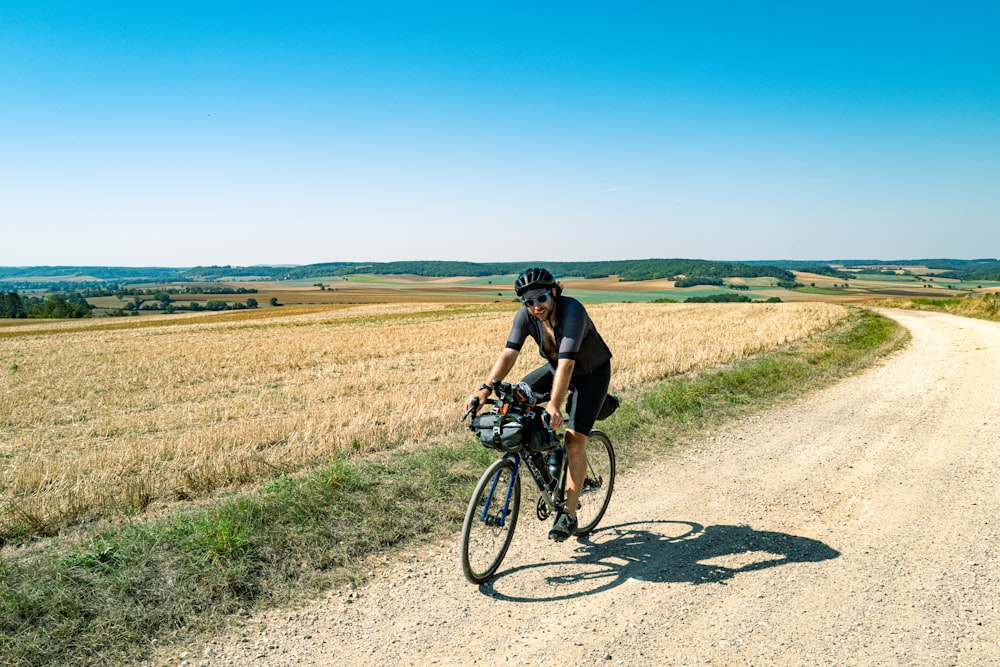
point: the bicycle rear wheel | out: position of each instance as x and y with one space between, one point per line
490 520
598 483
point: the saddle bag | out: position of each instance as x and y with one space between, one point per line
611 404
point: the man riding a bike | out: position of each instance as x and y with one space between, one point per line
577 357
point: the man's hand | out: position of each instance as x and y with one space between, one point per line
474 401
555 418
477 400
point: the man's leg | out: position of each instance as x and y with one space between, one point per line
565 524
576 450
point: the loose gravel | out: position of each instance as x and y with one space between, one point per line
855 526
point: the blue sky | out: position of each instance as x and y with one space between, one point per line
179 133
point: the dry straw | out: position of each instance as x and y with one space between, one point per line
104 423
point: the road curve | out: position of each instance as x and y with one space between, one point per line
855 526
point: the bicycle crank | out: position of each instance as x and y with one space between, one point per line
542 510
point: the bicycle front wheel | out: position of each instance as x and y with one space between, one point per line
490 520
598 483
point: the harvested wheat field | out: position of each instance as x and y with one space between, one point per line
111 421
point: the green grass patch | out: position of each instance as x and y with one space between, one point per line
103 600
887 277
374 279
934 304
760 283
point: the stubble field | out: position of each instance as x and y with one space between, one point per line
108 421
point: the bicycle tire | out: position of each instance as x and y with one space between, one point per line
484 543
598 484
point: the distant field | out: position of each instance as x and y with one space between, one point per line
372 289
410 289
869 287
886 278
817 290
753 282
978 285
113 417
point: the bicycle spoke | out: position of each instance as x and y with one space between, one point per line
598 482
490 520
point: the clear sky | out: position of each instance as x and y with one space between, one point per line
184 133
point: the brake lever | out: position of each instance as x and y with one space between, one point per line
472 408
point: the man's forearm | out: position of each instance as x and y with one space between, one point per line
560 383
504 363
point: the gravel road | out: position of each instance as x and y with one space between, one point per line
855 526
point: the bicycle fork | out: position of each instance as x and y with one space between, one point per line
500 520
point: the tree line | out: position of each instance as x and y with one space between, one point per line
162 301
626 270
722 298
73 305
69 305
121 291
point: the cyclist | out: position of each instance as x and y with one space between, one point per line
577 357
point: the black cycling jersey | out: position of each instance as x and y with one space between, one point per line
576 336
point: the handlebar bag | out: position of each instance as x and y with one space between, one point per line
510 432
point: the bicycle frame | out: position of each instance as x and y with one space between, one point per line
490 519
553 495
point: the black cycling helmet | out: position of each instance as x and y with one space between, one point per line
532 279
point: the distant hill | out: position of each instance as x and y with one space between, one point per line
57 277
628 270
83 277
84 273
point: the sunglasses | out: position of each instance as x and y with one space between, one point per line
541 298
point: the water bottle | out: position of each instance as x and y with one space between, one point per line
555 461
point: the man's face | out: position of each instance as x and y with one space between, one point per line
539 303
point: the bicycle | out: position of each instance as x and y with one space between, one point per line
529 444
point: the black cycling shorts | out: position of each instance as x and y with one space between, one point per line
589 390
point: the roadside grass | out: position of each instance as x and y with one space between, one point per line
110 598
984 306
683 408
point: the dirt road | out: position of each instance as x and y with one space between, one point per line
857 526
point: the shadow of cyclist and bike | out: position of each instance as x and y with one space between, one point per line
656 551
